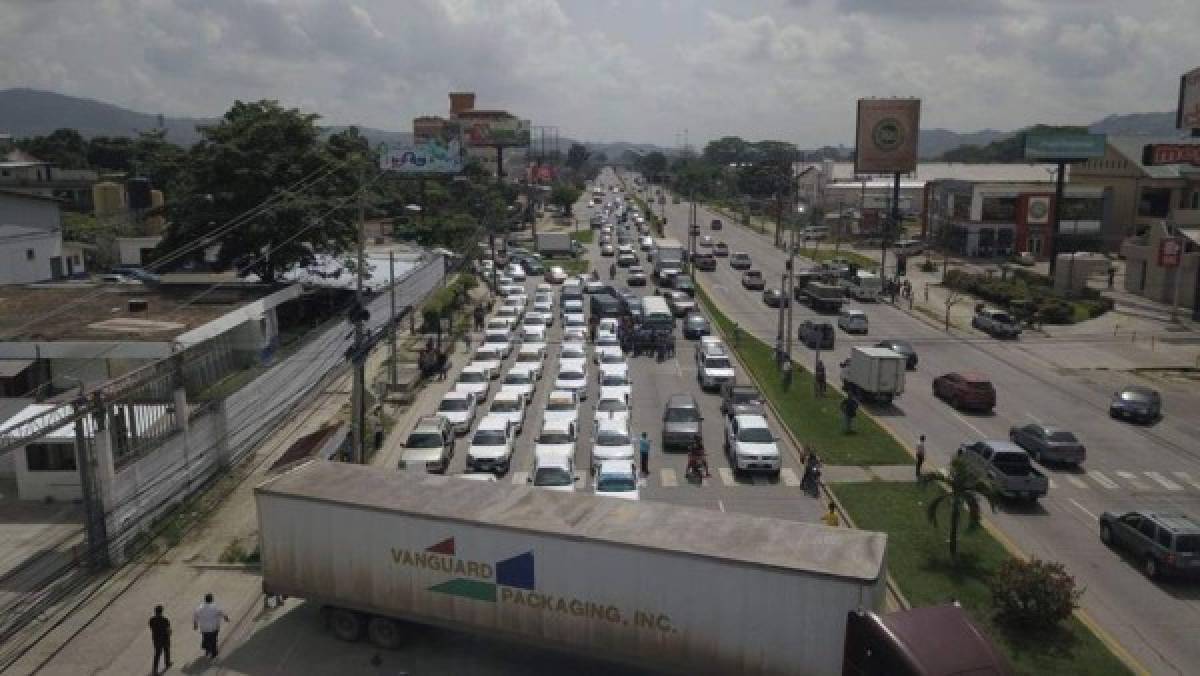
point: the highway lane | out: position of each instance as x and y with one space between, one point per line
1128 466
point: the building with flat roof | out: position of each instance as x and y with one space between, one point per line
30 238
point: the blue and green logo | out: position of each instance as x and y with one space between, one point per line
472 579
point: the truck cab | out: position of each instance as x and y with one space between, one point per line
1007 467
865 286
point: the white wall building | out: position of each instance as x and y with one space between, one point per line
30 238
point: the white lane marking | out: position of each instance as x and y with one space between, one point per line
1164 481
668 478
1102 480
1076 481
678 370
642 483
968 424
1085 509
789 477
726 475
721 505
1052 483
519 477
1187 479
1133 480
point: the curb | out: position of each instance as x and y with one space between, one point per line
232 567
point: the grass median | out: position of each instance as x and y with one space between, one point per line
919 562
815 421
584 236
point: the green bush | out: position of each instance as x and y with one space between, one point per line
1025 287
1056 312
1034 594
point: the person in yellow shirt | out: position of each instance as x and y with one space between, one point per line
831 518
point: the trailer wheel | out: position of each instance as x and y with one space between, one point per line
384 632
346 624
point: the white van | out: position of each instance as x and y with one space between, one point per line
655 311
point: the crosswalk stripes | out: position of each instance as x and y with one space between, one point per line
788 476
669 479
1164 481
1187 479
1137 484
519 477
1104 481
1076 481
726 475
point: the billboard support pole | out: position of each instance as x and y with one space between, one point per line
1052 241
890 226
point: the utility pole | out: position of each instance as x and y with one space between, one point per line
1052 240
891 223
392 322
791 261
85 460
358 397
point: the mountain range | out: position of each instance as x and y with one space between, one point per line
32 112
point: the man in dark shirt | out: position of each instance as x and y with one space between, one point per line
160 634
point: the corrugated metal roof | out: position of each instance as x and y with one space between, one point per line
1130 147
754 540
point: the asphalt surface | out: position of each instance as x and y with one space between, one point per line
1128 466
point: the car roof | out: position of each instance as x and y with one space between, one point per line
1175 522
615 467
971 376
426 422
508 394
751 420
556 424
1003 445
563 394
1140 389
457 394
682 401
493 421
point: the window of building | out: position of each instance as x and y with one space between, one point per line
1154 202
50 457
1082 208
961 207
29 254
999 210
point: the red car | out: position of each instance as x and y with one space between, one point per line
965 390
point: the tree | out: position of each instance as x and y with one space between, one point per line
577 156
564 197
258 152
653 165
1033 595
965 489
727 150
64 148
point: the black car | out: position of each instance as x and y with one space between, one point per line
704 261
1137 403
817 335
716 224
902 347
695 326
774 298
720 249
740 260
637 276
753 280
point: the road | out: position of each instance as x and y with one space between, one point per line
1128 466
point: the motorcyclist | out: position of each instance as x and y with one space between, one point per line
697 461
812 468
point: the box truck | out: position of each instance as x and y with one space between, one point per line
875 373
556 244
823 297
656 585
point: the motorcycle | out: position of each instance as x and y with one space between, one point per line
697 467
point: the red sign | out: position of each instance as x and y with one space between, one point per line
1171 153
1169 252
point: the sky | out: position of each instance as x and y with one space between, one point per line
609 70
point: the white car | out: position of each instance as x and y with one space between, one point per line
614 379
459 408
572 349
572 306
554 473
616 479
572 375
613 405
562 405
491 446
556 275
533 335
502 340
509 406
521 380
608 354
515 302
476 379
574 320
491 356
607 325
574 334
611 440
556 438
532 356
607 339
751 445
500 324
512 314
544 289
852 320
647 243
538 318
516 272
593 286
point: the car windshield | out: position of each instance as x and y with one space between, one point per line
517 379
1135 395
611 438
552 476
471 377
527 357
612 358
489 438
506 406
554 437
612 406
1012 463
496 338
745 397
979 385
560 405
570 375
571 353
717 363
424 440
453 405
755 435
1063 436
488 355
1002 318
682 415
614 380
611 483
1187 544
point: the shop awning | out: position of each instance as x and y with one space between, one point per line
13 367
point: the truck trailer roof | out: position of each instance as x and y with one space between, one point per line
751 540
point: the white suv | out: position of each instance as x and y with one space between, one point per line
714 366
611 440
617 479
491 447
458 408
509 406
751 445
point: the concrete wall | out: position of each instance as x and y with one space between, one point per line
29 213
1144 277
16 264
130 248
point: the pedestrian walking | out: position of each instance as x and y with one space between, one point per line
920 456
831 517
478 317
787 374
811 461
819 381
644 451
443 364
849 410
207 620
1112 274
737 334
160 635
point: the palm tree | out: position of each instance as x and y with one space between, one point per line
963 489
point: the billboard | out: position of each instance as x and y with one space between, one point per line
495 131
1064 146
1187 116
435 156
886 138
1171 153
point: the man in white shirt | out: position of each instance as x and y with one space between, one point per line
207 620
